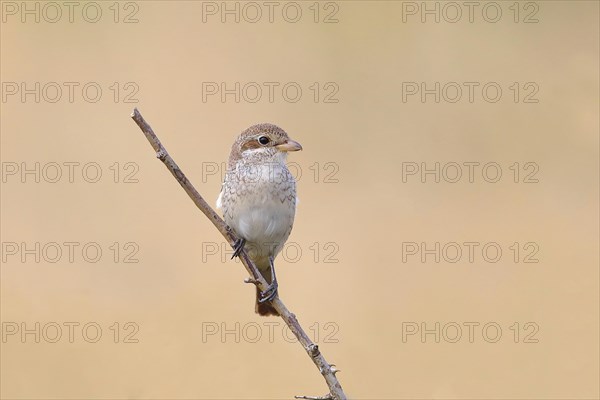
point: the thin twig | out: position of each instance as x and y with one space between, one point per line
327 370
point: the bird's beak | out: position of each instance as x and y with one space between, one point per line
289 145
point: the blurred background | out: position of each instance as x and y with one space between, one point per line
446 240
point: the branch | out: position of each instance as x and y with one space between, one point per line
327 370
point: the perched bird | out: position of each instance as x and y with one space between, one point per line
258 200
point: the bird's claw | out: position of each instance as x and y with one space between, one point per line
237 247
269 294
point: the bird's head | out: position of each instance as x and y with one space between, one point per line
265 142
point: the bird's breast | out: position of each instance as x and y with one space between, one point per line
259 202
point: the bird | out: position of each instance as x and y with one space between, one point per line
258 201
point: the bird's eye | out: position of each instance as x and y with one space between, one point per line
263 140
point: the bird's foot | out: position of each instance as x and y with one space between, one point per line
269 294
237 247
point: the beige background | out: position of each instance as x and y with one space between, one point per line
172 293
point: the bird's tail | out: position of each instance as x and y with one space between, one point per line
265 309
